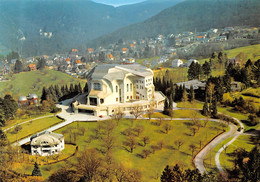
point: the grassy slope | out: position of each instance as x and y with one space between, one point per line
154 164
226 158
33 127
33 82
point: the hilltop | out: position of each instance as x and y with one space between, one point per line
33 82
190 15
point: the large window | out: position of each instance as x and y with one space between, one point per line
97 86
127 87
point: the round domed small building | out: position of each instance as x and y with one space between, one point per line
22 100
33 98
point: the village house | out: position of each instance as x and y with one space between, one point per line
47 143
114 85
32 67
177 63
196 84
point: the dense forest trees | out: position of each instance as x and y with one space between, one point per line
8 109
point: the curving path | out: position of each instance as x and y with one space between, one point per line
236 135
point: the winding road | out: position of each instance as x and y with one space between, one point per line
70 117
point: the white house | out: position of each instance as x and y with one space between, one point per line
190 61
177 63
114 85
47 143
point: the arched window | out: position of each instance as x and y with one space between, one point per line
127 87
116 89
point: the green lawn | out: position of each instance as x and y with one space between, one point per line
23 119
32 127
155 163
227 156
33 82
196 104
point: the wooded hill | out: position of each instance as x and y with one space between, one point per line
191 15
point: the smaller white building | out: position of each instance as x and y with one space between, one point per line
190 61
177 63
47 143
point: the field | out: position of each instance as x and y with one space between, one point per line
227 156
180 74
152 166
32 127
33 82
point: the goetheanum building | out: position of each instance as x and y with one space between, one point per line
114 86
47 143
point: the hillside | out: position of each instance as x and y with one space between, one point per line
34 81
191 15
39 27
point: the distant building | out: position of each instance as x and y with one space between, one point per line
47 143
177 63
32 67
195 83
30 100
235 86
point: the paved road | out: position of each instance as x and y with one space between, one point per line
69 118
199 158
236 135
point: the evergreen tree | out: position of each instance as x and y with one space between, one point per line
44 94
66 90
167 175
3 139
41 64
170 103
184 95
206 69
85 90
36 171
192 94
214 108
79 88
18 66
2 112
58 92
166 107
10 106
71 90
192 72
205 109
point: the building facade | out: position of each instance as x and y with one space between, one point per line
112 85
47 143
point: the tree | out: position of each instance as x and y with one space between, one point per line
192 94
89 164
192 148
253 119
206 69
167 175
109 142
10 106
139 129
161 144
118 114
3 139
18 66
146 140
137 111
131 142
41 64
150 111
145 153
184 95
167 127
36 171
64 175
179 143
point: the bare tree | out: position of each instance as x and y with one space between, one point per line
82 130
146 140
150 111
193 130
118 114
154 148
137 111
146 153
179 143
131 142
139 129
192 148
205 122
167 127
109 142
161 144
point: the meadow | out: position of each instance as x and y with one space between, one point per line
152 166
33 82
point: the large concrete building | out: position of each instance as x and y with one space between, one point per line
113 85
47 143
